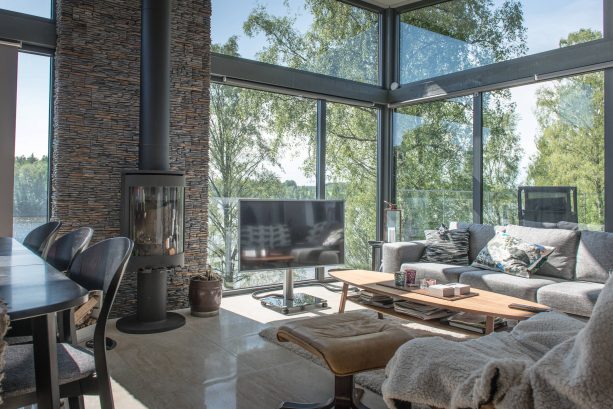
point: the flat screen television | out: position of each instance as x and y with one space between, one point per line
282 234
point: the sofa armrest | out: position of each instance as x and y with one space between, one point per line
394 254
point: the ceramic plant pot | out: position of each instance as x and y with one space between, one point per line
204 297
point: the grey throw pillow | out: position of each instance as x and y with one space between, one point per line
447 246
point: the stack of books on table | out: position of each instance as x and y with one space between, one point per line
421 311
383 301
473 322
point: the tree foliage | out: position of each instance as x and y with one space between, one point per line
457 35
341 40
30 189
433 141
246 146
570 142
253 132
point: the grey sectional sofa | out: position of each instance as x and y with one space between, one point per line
570 280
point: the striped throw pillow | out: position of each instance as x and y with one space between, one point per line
447 246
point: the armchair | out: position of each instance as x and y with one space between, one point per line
548 361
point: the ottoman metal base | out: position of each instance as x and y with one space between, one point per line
346 396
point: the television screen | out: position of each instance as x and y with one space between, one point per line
281 234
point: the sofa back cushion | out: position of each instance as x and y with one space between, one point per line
480 235
594 256
561 263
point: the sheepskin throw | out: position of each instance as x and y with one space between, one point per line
4 326
549 361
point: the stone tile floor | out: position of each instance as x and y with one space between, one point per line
219 363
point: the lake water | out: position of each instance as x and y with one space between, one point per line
23 225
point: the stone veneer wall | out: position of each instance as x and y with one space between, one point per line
95 123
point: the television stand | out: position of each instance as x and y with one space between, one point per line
289 302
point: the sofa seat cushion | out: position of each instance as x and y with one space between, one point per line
560 263
442 273
571 297
594 256
525 288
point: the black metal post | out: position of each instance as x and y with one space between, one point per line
608 124
388 72
320 166
478 158
155 85
151 316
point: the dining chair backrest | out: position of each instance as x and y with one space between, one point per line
63 251
101 267
38 239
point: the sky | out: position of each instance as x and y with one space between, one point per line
33 74
547 21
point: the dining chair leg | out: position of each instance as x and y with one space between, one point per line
67 327
76 402
105 392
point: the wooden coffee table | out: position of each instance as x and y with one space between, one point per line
487 303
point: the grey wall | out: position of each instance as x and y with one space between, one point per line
95 124
8 111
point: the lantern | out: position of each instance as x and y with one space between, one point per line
392 223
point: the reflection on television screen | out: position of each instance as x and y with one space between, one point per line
282 234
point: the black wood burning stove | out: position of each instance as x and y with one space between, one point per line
153 197
152 216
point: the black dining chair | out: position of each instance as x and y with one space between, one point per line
64 250
60 255
38 240
98 268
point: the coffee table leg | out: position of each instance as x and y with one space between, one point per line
489 324
341 306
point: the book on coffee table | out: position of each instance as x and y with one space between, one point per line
377 300
473 322
421 311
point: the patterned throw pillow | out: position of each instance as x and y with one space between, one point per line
447 246
513 256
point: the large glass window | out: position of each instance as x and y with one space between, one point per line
351 174
30 199
322 36
460 34
544 153
262 146
433 164
40 8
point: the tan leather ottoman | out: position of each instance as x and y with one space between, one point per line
348 343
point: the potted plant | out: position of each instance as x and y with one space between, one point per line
205 293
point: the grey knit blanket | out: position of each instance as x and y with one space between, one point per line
549 361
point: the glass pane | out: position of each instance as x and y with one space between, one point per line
263 147
30 199
351 174
545 142
156 220
462 34
322 36
40 8
433 164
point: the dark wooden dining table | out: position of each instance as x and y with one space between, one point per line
33 289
